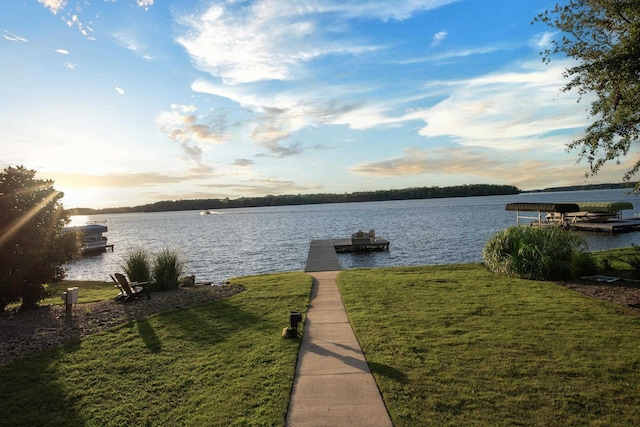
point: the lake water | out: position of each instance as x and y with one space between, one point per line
239 242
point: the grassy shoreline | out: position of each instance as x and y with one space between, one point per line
448 345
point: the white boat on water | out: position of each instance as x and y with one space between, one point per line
93 242
591 212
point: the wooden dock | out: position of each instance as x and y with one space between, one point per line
322 257
323 253
611 226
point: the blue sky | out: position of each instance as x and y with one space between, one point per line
127 102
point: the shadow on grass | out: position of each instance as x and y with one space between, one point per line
149 336
28 398
209 323
388 372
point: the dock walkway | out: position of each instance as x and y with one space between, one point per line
333 385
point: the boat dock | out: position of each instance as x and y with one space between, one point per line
591 216
323 253
611 226
322 257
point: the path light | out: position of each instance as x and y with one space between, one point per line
295 317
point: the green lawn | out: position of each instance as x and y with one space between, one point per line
222 363
456 345
448 345
89 291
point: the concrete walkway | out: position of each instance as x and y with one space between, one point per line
333 385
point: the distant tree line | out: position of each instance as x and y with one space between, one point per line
309 199
629 185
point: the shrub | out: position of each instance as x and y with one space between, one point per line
137 265
537 253
167 269
33 245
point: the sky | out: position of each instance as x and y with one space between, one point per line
129 102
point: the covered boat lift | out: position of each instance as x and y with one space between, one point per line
588 216
560 208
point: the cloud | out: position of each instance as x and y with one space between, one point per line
189 130
438 37
276 39
508 110
145 3
13 38
54 6
61 51
120 90
242 163
263 186
119 180
434 161
458 53
476 165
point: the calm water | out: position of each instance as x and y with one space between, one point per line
239 242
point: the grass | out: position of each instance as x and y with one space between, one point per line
89 291
457 345
448 345
222 363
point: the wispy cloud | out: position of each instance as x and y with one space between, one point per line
438 37
242 163
508 110
119 180
275 39
481 165
120 90
193 133
13 38
61 51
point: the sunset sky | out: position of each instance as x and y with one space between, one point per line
128 102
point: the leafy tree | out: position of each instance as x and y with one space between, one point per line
33 246
603 36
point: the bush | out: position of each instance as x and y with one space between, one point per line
537 253
137 265
33 244
167 269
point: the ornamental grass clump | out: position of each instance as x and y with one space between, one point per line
168 266
137 265
537 253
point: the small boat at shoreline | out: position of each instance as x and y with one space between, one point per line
93 242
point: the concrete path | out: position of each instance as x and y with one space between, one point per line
333 385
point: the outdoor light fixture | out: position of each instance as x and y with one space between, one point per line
295 317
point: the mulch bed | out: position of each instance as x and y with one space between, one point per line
622 292
31 331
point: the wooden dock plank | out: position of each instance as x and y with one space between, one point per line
322 257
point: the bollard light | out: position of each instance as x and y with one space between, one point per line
291 332
294 319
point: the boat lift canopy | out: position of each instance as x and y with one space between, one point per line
561 208
543 207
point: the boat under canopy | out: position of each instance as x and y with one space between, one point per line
579 215
93 242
